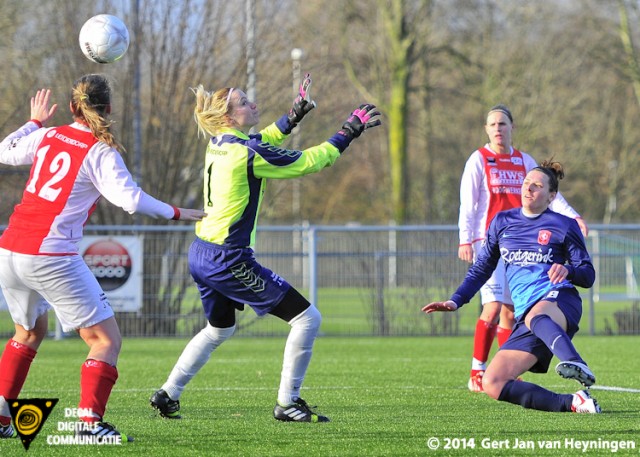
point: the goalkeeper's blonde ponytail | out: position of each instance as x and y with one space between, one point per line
210 112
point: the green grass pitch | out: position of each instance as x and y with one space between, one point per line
385 397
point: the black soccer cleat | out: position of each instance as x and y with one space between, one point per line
167 407
7 431
298 411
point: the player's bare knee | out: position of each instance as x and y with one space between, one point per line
108 345
507 315
31 338
102 343
115 345
492 386
490 312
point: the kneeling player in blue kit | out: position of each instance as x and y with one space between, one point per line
545 257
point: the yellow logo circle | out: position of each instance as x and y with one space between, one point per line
28 419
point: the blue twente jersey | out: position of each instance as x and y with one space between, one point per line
529 246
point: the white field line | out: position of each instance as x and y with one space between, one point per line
615 389
363 387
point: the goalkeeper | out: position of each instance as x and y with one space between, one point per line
221 258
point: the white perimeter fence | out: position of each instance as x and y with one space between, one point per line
366 280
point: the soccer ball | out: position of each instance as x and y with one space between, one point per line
104 38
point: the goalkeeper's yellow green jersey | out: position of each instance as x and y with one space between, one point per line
235 174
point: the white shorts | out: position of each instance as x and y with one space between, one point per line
496 287
30 283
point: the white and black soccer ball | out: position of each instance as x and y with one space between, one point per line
104 38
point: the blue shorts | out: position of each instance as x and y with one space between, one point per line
521 339
232 277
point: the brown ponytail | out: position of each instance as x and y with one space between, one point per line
91 104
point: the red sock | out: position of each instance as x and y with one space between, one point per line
503 335
483 339
14 367
96 381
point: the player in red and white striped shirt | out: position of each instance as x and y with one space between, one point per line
72 167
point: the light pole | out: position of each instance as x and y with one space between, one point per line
299 241
296 55
251 51
137 122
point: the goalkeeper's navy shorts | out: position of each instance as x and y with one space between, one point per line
232 276
522 339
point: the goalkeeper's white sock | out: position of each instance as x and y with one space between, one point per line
193 357
297 353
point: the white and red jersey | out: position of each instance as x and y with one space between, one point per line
491 183
70 171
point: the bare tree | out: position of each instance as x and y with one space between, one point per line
380 69
567 69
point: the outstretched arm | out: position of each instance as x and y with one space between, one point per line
302 105
188 214
40 110
448 305
361 119
20 146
